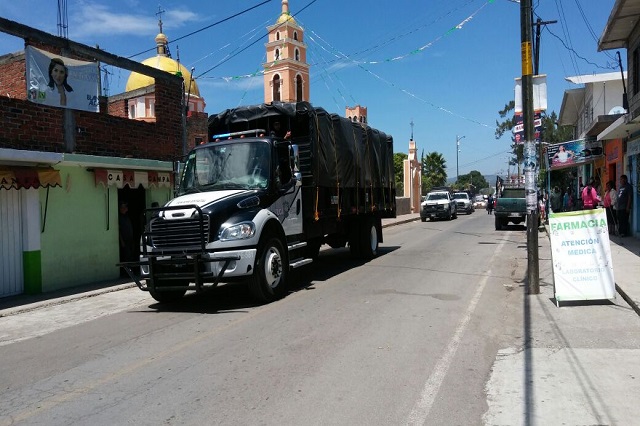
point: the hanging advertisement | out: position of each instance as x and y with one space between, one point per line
573 153
61 82
581 256
518 129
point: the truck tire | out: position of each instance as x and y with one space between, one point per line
498 224
368 239
168 296
269 280
449 215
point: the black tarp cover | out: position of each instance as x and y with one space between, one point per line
335 152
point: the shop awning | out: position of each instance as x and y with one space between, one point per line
133 178
28 177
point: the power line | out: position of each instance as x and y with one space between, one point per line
608 67
205 28
256 41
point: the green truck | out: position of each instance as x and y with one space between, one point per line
510 206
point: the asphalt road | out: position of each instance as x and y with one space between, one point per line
407 338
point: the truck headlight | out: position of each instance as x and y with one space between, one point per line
240 231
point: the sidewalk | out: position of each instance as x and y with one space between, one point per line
625 253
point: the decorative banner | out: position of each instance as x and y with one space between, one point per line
62 82
28 177
581 255
573 153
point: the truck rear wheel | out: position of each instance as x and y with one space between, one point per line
269 280
166 296
498 224
365 242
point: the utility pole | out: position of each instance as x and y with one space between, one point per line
457 152
533 267
536 64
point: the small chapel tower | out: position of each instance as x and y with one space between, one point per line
286 72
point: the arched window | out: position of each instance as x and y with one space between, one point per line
295 35
278 36
276 87
297 54
299 95
277 55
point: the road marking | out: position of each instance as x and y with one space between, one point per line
421 409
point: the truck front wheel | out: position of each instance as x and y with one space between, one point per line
269 280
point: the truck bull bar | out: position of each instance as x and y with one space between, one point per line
196 277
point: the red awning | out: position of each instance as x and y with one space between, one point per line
133 178
28 177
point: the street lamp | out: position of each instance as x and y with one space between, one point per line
457 152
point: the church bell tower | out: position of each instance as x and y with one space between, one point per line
286 72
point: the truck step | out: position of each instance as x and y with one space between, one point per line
296 246
296 263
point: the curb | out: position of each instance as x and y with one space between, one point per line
62 300
85 295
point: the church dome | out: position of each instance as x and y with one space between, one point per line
162 62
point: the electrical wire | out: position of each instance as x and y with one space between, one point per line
256 41
204 28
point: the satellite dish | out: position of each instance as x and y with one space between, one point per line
617 110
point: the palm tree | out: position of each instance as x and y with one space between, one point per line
433 171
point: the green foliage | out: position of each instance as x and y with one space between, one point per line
398 167
473 181
433 171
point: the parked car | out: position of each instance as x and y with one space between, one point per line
463 202
479 202
439 204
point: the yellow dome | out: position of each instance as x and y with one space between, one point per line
286 17
136 80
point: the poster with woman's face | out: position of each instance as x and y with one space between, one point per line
62 82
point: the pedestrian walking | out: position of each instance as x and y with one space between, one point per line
490 205
556 200
624 206
609 203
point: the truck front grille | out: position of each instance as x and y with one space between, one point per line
179 233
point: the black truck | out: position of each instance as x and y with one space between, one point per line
252 205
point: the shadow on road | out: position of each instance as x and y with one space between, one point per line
234 297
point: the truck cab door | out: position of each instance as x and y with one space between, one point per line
288 206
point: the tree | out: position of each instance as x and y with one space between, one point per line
398 167
473 181
434 172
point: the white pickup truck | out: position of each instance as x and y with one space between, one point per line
438 205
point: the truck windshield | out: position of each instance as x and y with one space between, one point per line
237 165
437 196
460 196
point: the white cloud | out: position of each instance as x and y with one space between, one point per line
89 20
